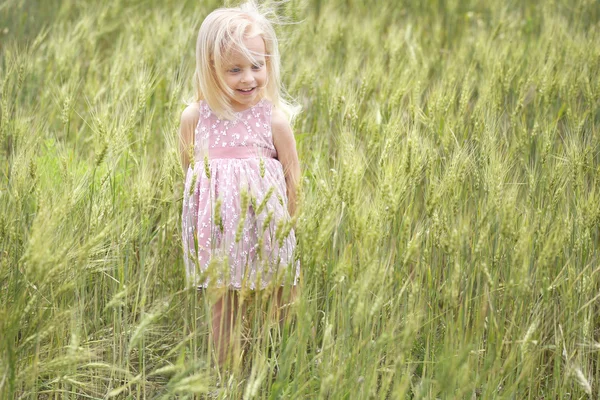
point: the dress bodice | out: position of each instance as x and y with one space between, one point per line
251 129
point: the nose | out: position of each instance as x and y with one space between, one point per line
247 76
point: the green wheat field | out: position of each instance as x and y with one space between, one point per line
450 223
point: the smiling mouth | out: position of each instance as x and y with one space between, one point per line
246 91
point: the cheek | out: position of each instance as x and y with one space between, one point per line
230 81
263 75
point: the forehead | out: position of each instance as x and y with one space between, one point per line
254 45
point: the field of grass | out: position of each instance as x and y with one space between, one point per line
450 227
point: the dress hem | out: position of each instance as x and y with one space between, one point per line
233 287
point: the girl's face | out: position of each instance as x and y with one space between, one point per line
246 77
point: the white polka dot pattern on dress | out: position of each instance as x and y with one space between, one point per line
235 230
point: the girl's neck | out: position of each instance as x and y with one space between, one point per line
244 107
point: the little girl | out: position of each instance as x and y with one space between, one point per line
239 152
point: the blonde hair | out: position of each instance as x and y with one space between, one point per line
223 30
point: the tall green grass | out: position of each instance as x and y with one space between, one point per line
451 203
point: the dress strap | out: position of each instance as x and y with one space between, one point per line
201 134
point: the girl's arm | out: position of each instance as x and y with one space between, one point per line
189 120
285 144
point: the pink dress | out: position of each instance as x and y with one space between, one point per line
235 225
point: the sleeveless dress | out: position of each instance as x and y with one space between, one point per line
236 228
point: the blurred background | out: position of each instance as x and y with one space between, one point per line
449 228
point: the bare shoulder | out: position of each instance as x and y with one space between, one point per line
280 126
191 114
